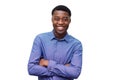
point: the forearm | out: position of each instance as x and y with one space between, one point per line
38 70
44 63
67 71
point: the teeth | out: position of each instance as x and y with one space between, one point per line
60 28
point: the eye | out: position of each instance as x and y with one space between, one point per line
65 19
56 18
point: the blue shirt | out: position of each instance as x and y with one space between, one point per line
59 52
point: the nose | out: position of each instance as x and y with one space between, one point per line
60 22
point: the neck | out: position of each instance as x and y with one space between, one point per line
60 36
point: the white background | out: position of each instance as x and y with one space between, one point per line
94 22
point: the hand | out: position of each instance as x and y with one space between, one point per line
67 64
43 62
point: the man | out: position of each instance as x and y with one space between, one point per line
56 55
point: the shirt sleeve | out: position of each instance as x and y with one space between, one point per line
73 71
33 65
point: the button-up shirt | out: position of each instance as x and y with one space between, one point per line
59 52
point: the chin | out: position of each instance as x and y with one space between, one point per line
60 32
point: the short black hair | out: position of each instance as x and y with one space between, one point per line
63 8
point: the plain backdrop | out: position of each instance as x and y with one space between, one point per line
94 22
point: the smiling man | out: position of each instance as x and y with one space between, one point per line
56 55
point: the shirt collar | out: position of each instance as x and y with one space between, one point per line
52 37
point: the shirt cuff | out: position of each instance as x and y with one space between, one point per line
51 65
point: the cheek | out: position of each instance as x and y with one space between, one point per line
66 24
54 22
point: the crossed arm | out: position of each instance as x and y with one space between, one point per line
43 67
49 68
44 63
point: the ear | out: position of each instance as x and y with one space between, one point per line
52 18
70 20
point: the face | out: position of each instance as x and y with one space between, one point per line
61 21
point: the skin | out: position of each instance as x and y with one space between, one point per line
60 21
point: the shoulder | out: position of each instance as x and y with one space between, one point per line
74 39
76 43
43 35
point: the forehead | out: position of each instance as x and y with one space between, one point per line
60 13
